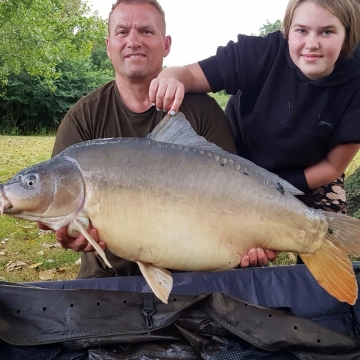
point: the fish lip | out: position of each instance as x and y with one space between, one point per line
5 204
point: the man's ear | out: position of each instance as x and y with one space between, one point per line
167 41
107 47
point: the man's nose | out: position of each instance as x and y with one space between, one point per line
134 40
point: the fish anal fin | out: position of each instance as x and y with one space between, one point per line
158 278
333 270
82 229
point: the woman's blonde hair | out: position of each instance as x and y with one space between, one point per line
347 11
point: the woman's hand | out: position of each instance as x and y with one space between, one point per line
166 94
167 91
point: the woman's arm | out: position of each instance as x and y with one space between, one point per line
332 166
167 90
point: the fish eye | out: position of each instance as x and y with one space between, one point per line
30 180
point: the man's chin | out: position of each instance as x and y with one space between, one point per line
136 74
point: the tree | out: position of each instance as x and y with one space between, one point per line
60 57
28 105
38 35
270 27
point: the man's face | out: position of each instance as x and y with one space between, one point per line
136 44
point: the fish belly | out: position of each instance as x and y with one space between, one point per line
186 235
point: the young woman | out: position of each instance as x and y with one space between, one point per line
300 95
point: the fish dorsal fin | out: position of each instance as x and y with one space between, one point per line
177 130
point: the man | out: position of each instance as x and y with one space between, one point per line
136 45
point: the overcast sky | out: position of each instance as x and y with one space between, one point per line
197 27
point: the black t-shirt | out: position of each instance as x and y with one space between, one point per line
286 121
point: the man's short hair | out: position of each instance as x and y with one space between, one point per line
153 3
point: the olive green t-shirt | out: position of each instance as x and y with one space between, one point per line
102 114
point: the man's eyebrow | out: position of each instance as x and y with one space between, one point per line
127 26
146 27
122 26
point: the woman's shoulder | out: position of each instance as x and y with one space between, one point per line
274 39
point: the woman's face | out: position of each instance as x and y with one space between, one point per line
316 38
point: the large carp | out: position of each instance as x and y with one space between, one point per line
175 201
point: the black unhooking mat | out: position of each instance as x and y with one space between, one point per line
273 313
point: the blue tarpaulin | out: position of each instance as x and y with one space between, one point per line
277 313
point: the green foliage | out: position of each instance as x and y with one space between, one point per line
352 188
29 106
100 59
221 97
43 34
60 57
270 27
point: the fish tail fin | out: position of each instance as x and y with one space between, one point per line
330 265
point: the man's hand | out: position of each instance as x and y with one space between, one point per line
258 257
76 244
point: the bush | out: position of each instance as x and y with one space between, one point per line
352 188
221 97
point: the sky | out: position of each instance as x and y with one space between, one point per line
198 27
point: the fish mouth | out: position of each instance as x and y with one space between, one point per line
5 204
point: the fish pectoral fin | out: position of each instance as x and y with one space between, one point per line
158 278
333 270
82 229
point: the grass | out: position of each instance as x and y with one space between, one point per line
29 255
355 163
25 254
221 98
